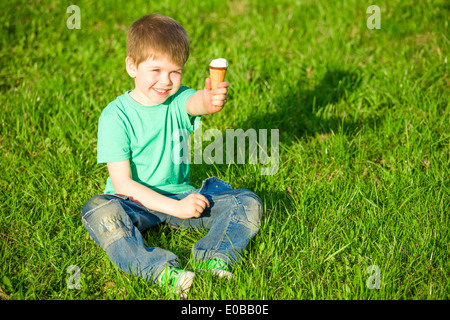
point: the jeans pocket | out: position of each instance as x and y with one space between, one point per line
214 185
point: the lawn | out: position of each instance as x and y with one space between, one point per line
362 188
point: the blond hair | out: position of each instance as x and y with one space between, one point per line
156 36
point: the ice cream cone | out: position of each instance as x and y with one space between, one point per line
217 71
217 76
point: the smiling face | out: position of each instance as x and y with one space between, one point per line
156 79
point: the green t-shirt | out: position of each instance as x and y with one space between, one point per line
147 136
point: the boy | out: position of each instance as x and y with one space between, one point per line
145 186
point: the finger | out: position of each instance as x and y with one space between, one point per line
199 200
218 103
219 97
219 91
208 84
224 84
199 210
197 213
203 199
202 204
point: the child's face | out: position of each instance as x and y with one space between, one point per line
155 80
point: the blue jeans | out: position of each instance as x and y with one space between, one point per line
115 223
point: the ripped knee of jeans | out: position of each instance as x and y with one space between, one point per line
106 220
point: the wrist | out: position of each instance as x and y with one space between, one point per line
174 208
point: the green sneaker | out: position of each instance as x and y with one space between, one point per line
180 281
216 266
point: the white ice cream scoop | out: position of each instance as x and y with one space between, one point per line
219 63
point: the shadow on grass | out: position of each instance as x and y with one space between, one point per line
302 113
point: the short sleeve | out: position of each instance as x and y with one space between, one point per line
113 143
189 122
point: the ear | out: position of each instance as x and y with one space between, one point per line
131 67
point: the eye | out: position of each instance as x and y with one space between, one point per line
155 70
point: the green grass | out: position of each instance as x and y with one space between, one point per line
363 117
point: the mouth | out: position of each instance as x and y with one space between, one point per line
161 92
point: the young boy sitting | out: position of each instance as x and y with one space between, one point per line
145 186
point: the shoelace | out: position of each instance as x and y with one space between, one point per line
213 264
169 275
220 264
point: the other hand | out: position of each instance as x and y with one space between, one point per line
192 206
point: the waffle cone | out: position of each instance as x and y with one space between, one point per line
217 76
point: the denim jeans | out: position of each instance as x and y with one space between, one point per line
115 223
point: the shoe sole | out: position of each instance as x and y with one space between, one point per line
184 284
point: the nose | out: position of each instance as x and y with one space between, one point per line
164 79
